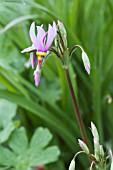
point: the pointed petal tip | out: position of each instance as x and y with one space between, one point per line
37 78
24 51
88 69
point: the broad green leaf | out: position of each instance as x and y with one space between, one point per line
40 139
7 113
6 132
25 157
46 156
7 158
18 141
42 113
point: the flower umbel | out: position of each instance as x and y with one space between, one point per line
63 52
41 42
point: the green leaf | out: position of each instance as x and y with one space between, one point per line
7 158
16 21
40 139
7 112
46 156
6 132
24 157
18 141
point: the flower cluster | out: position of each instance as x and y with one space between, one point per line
99 158
41 46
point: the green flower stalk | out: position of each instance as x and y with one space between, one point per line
63 53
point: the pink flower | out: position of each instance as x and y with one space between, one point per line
41 42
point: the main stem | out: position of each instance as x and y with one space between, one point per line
78 115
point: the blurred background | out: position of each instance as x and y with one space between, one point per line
89 23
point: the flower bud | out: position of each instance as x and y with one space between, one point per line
111 168
97 149
62 32
72 165
94 131
61 27
83 146
101 151
86 61
111 155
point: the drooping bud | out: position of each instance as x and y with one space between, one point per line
33 58
83 146
72 165
85 58
86 61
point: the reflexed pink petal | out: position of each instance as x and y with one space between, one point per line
40 37
29 49
33 58
88 69
51 35
37 78
32 34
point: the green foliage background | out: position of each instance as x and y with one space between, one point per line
89 23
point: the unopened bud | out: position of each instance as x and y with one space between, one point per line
94 131
111 168
97 149
101 151
111 155
62 32
86 61
61 27
83 146
55 26
72 165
